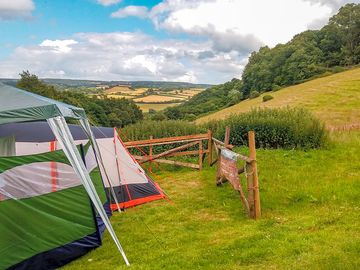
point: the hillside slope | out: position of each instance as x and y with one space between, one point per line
334 99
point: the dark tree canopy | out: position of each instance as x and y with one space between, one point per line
308 54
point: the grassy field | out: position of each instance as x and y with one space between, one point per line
334 99
311 217
156 106
151 100
157 98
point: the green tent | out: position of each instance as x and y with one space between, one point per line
56 223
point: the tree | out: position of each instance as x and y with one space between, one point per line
104 111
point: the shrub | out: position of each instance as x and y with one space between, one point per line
158 116
254 94
267 98
275 87
274 128
158 129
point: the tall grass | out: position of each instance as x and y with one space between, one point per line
274 128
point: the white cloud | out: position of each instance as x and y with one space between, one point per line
14 9
58 46
136 11
124 56
255 22
108 2
226 32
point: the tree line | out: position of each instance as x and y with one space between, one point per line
108 112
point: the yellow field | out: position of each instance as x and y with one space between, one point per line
187 92
334 99
120 88
119 96
158 107
156 98
124 91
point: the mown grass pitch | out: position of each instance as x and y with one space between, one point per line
310 207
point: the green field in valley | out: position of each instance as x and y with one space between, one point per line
310 217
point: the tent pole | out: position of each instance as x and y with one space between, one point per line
62 133
86 126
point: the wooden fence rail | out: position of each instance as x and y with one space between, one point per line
187 141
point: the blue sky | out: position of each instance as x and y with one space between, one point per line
60 19
205 41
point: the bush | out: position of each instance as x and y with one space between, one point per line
274 128
275 87
190 117
158 129
254 94
158 116
267 98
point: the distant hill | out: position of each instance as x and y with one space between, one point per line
62 84
334 99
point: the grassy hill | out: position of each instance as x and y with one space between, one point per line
334 99
310 217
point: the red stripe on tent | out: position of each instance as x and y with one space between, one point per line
135 202
53 169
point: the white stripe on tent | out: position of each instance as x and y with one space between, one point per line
15 183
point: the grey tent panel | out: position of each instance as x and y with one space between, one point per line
7 146
17 105
41 132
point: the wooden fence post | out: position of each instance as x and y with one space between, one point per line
200 155
227 137
210 147
254 188
150 154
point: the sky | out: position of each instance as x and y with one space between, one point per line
199 41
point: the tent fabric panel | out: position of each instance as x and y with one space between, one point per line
41 132
130 170
13 99
62 255
99 185
17 105
135 194
63 135
7 146
28 114
106 147
7 163
31 148
57 257
47 222
30 180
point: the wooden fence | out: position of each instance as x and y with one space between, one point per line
189 141
206 144
228 170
